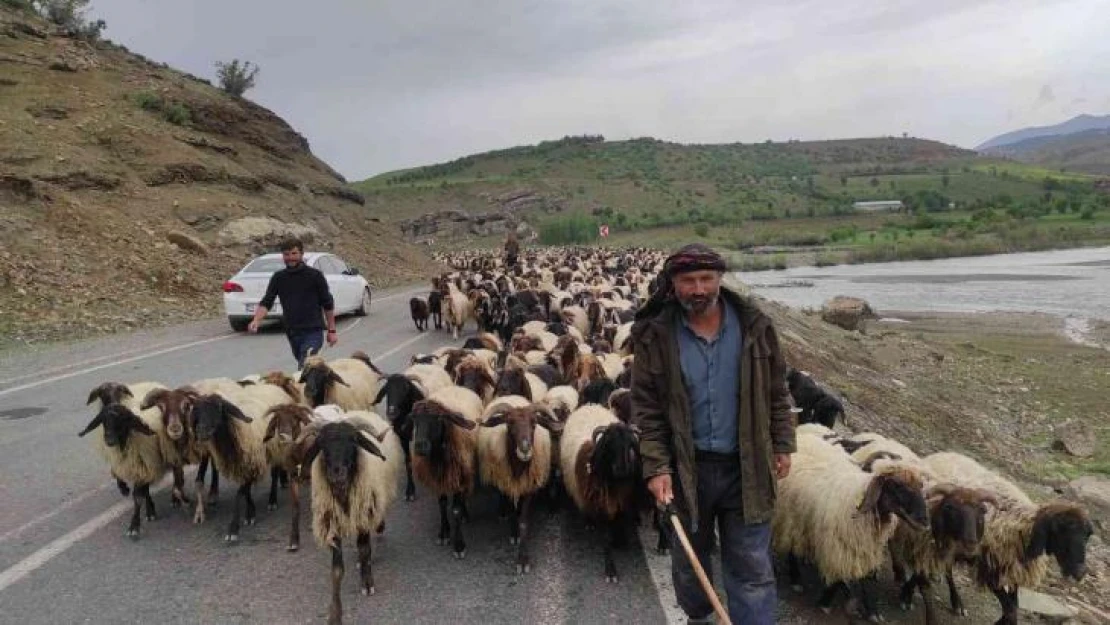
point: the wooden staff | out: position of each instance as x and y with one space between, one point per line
710 592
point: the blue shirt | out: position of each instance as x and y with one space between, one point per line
711 374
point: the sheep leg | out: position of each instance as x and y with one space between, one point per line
925 586
504 511
295 530
283 477
794 572
553 494
250 504
151 513
828 596
137 499
444 521
867 587
615 532
410 486
237 510
458 511
177 496
907 588
275 477
1009 601
523 562
364 564
335 612
954 598
124 489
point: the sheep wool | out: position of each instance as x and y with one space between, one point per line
140 461
493 460
458 478
578 433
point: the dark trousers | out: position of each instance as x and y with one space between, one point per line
303 340
745 550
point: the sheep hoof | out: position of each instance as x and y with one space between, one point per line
410 497
798 588
366 592
907 606
132 534
662 551
460 555
292 547
876 618
523 569
271 507
441 542
250 521
826 609
231 538
611 579
513 540
962 612
150 516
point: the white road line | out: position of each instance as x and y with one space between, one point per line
660 569
40 557
82 363
53 513
31 563
73 374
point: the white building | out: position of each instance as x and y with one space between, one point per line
878 206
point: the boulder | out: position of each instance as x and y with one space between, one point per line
187 242
263 232
847 312
1075 438
1046 606
1094 493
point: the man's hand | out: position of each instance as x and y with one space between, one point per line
333 338
660 487
252 327
782 465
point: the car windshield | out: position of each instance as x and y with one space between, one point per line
264 265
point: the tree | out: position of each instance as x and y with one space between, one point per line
874 181
70 15
944 181
844 181
235 77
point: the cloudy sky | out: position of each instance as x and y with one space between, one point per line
384 84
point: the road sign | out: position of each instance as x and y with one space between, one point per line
603 230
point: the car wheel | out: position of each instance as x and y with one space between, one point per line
364 307
239 324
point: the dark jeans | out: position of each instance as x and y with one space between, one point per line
745 550
303 340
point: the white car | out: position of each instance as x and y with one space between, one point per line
245 289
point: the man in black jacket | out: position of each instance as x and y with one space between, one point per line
303 292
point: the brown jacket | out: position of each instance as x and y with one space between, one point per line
662 411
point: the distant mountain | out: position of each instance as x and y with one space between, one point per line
1082 152
1082 123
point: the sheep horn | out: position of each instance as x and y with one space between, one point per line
366 426
598 432
986 496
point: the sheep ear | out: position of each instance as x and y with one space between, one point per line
381 393
234 412
598 431
155 397
271 427
549 421
334 377
95 423
94 394
494 420
871 495
1038 540
141 427
369 446
309 456
460 421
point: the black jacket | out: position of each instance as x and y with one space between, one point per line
303 291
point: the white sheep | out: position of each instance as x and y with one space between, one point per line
348 382
129 441
457 309
515 456
834 514
354 465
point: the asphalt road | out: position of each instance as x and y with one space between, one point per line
64 557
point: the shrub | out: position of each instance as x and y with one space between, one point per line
575 228
148 101
70 15
702 230
176 113
235 77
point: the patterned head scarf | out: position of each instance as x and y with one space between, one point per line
693 257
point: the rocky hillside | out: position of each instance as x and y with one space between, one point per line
129 191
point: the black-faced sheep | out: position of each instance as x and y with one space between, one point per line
1021 538
401 391
841 518
354 481
418 309
515 456
444 445
350 383
817 404
600 460
128 442
435 308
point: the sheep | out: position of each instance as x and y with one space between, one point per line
620 402
435 308
837 516
129 442
418 310
514 456
1020 536
515 381
817 404
589 370
566 357
956 519
877 444
401 392
474 374
354 481
348 382
443 454
458 309
598 392
231 426
601 465
178 444
620 339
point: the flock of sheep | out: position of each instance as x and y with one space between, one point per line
536 406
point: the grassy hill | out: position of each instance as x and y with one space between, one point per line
119 178
655 191
1082 152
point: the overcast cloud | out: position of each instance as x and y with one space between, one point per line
377 85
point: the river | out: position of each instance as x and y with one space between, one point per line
1070 283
